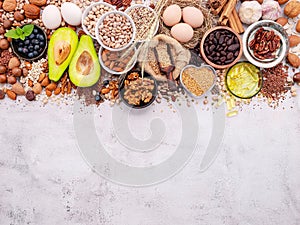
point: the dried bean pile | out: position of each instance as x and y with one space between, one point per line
274 82
221 47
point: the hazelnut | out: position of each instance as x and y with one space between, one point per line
4 44
2 30
11 80
7 24
17 72
18 16
2 69
3 78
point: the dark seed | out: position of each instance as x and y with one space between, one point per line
233 47
105 82
230 55
222 59
30 96
97 98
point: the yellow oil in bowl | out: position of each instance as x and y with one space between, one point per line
244 80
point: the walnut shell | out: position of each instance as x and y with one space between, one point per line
9 5
38 2
292 9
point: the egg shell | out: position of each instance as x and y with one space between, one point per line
182 32
192 16
172 15
51 17
71 13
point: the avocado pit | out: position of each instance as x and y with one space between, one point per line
85 63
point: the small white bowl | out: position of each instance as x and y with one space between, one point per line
155 14
268 25
198 67
86 12
100 22
112 71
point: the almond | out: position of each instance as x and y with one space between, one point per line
298 26
57 91
294 40
11 80
45 82
12 95
38 2
105 91
18 89
293 59
281 2
282 21
30 83
48 93
31 11
51 87
37 88
41 77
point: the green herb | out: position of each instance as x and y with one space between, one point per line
20 33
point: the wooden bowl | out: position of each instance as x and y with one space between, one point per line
212 63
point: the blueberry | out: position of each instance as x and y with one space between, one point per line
42 44
35 53
31 36
25 50
26 42
20 49
21 44
105 82
40 50
36 47
35 30
41 37
97 98
30 55
30 47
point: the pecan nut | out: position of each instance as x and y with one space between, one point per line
31 11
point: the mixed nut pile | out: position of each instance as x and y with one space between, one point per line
113 34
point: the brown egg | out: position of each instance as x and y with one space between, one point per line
172 15
182 32
192 16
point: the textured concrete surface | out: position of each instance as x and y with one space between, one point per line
44 180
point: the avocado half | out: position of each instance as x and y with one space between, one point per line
84 69
62 46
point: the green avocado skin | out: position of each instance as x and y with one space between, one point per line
85 45
61 34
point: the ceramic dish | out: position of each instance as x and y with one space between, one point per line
86 12
131 64
154 29
41 41
206 38
100 21
142 104
280 53
185 87
244 80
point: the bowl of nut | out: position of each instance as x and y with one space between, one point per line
221 47
265 43
92 14
138 91
117 62
197 80
146 21
115 31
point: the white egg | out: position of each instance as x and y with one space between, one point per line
71 13
51 17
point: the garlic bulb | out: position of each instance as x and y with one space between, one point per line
270 10
250 12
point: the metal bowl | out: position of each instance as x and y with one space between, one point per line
281 52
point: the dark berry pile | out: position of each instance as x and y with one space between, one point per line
32 46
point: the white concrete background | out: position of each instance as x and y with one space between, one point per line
45 181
